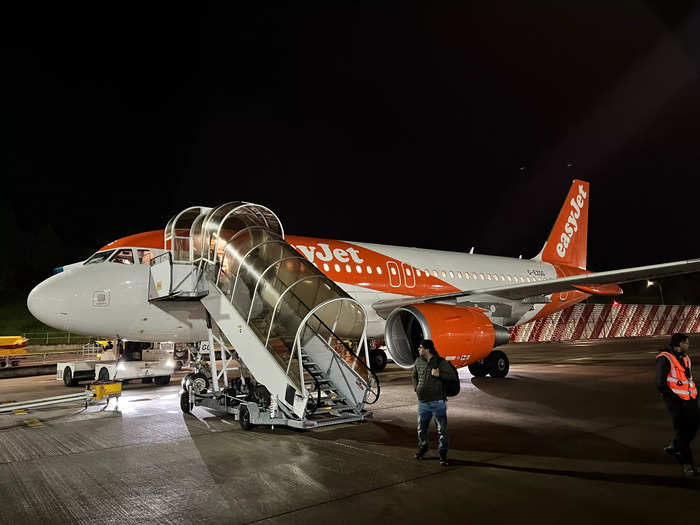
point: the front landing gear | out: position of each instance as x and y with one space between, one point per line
496 364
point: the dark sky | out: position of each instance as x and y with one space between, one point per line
421 125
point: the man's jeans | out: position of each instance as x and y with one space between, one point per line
426 411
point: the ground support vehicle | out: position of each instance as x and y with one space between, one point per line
13 348
108 365
251 403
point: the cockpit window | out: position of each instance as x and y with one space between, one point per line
145 256
99 257
124 256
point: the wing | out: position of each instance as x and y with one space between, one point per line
521 291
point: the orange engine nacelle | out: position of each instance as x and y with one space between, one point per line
462 334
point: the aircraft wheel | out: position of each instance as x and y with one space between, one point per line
103 375
498 364
373 390
244 418
68 379
185 402
377 359
161 380
199 382
478 369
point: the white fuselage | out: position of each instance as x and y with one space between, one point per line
111 299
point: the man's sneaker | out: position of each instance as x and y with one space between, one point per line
671 451
689 471
444 462
421 452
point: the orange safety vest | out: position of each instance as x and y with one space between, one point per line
684 387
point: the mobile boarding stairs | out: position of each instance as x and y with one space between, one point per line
294 342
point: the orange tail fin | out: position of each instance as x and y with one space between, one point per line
568 242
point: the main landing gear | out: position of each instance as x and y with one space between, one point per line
495 364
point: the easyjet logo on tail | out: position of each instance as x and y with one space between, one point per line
571 225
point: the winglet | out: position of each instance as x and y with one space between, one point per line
568 242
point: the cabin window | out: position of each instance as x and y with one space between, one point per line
503 277
99 257
474 275
466 275
336 267
488 276
145 256
452 275
125 256
326 268
379 270
358 268
495 277
459 275
369 269
481 276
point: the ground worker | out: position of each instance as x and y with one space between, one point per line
674 380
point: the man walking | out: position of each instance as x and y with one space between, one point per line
428 371
674 380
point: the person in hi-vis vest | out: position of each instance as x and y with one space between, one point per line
674 379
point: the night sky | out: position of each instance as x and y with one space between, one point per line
398 123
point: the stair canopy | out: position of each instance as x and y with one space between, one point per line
295 312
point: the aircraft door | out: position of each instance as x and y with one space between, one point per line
394 274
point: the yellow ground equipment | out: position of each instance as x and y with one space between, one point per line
13 345
106 389
96 391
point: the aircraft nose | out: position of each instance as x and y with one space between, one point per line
48 302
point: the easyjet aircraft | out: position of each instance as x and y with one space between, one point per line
464 302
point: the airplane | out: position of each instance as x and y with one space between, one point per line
465 302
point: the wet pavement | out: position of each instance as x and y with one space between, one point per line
575 433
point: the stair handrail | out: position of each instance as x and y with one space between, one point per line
335 358
305 320
357 356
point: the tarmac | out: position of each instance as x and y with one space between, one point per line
574 434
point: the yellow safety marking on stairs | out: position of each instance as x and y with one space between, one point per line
20 411
33 423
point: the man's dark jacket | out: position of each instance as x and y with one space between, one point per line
427 386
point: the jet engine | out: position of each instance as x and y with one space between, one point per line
462 334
